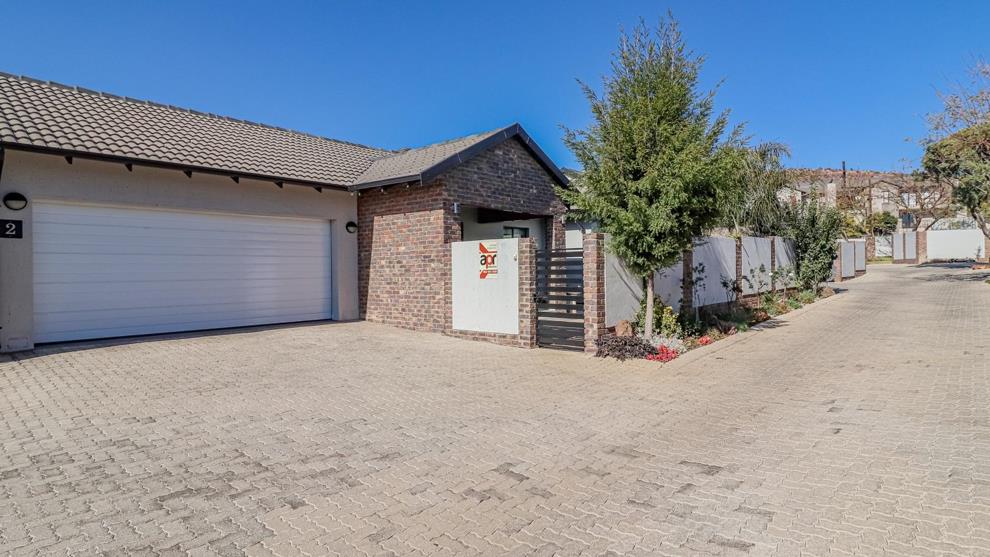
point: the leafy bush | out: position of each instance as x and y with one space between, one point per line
665 321
881 224
806 296
814 228
621 348
794 303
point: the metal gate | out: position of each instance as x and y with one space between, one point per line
560 299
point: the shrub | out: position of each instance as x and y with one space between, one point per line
806 296
621 348
793 303
814 228
665 321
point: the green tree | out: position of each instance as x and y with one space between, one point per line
963 160
656 155
881 224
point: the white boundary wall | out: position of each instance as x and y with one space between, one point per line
860 252
718 256
905 245
491 304
847 254
756 254
955 244
624 290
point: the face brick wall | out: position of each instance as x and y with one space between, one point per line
505 177
401 265
404 232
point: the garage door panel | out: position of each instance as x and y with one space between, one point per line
178 326
169 315
95 216
111 271
93 297
122 262
161 237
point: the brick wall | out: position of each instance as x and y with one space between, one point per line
401 258
507 178
405 231
594 290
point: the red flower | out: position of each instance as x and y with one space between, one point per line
664 354
705 340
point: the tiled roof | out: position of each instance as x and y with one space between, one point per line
47 115
409 164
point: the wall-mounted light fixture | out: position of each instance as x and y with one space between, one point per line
15 201
351 227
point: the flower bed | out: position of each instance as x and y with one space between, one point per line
678 336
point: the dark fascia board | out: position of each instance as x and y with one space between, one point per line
412 178
515 130
169 165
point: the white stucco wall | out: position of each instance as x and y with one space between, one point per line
955 244
756 255
860 252
784 251
489 305
50 178
624 290
847 254
574 233
718 255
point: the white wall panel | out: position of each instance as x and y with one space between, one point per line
955 244
756 256
717 256
489 304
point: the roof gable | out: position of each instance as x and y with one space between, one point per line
425 163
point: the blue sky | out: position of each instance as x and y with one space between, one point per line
835 80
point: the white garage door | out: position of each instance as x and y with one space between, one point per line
110 271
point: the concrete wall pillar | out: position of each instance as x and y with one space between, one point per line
922 245
594 290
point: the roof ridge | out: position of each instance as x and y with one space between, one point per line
147 102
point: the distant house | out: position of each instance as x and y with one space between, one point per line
916 204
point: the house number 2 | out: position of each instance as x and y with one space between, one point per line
11 228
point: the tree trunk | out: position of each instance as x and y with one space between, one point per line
648 326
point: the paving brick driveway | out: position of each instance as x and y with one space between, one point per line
861 425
